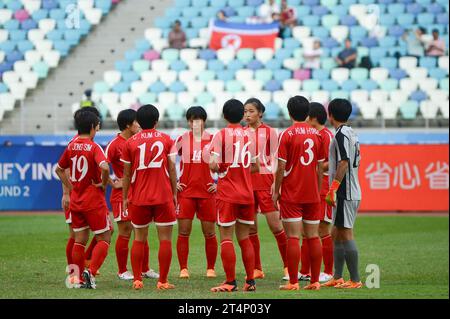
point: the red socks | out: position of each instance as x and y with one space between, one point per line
137 256
293 258
145 260
211 251
183 251
315 256
327 252
256 250
282 242
88 254
228 256
98 256
69 248
248 257
164 257
306 263
122 253
78 257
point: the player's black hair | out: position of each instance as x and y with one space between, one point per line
233 111
85 121
340 109
423 30
125 118
317 111
256 103
435 31
196 113
89 109
147 116
298 107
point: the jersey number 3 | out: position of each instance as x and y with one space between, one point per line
308 152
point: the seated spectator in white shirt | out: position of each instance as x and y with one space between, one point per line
436 47
312 56
266 11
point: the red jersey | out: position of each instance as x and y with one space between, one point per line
266 139
194 165
327 136
148 152
301 148
114 153
236 151
83 157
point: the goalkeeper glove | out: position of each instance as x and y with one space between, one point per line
331 196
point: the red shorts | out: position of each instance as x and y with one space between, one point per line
326 211
263 202
97 220
162 215
204 207
309 213
229 213
119 214
68 216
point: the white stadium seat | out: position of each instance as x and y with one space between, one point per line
7 101
153 33
187 76
139 87
281 98
438 95
359 96
4 35
93 15
47 25
127 99
398 97
44 46
168 77
31 5
389 111
10 78
379 96
35 35
443 62
149 77
198 43
429 109
428 84
417 74
30 79
379 74
195 87
188 55
244 75
2 56
292 86
264 54
112 77
358 10
292 64
21 67
32 57
407 62
339 32
5 15
300 32
19 91
160 66
408 85
197 66
226 55
369 109
340 74
85 4
110 98
185 98
215 86
52 58
322 97
253 86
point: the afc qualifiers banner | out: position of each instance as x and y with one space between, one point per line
404 177
28 181
392 177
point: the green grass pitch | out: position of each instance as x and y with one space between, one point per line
412 253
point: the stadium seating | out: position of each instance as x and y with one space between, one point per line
396 87
35 35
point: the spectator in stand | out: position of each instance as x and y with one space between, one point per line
436 47
347 57
177 37
312 56
268 11
221 16
288 19
416 42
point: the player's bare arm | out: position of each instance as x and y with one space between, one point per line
320 171
173 176
214 163
279 176
341 170
65 200
256 166
64 179
126 184
105 175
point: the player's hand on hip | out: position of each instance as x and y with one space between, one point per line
117 184
180 187
212 188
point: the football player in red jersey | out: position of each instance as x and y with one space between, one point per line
196 191
83 157
65 203
128 126
266 145
299 176
150 192
233 156
317 119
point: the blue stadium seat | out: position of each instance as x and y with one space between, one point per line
177 87
130 77
207 55
320 11
349 21
123 66
255 65
272 86
414 8
24 46
397 74
310 21
226 75
11 25
349 85
329 85
157 87
39 15
321 32
272 111
49 4
132 55
368 85
28 24
418 96
8 46
321 74
428 62
303 11
235 65
282 75
216 65
274 64
437 73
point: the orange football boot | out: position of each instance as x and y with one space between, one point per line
258 274
138 284
164 286
290 286
313 286
333 282
350 285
